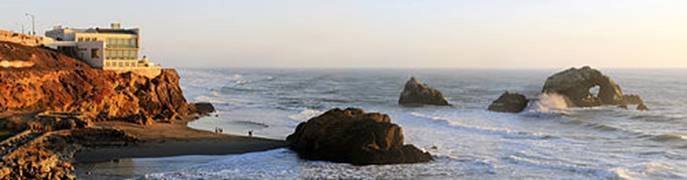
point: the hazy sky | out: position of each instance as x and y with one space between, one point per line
390 33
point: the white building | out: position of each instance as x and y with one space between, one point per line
113 48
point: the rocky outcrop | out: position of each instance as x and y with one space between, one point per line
23 39
54 99
62 84
416 94
35 58
202 108
353 136
509 102
636 100
39 157
575 84
36 155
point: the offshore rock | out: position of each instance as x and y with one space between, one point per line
642 107
353 136
575 84
202 108
509 102
416 94
635 99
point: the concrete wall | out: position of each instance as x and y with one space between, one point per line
86 50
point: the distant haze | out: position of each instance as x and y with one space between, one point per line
385 34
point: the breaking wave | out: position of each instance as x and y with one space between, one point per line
305 114
548 103
503 132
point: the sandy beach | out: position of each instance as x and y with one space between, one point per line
162 140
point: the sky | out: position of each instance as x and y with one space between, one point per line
503 34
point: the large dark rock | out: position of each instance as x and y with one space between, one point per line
353 136
202 108
575 84
416 94
509 102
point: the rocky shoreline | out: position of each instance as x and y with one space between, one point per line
60 106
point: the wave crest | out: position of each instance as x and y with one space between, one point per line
305 115
549 102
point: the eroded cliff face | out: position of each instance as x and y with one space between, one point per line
60 83
35 80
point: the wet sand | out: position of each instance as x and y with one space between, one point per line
163 140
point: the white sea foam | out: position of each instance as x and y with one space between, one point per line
305 114
214 100
285 164
648 170
487 130
549 103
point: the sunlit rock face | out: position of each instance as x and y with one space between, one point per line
353 136
415 93
59 83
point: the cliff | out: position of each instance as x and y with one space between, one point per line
51 97
56 82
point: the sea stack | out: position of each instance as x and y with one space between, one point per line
416 93
509 102
575 84
353 136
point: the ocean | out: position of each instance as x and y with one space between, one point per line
547 141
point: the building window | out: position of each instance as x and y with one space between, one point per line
95 53
80 39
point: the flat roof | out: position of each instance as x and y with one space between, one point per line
117 31
106 30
